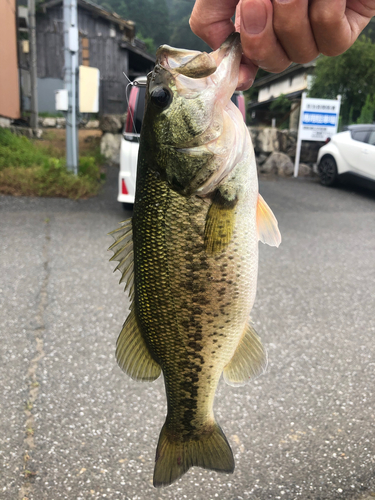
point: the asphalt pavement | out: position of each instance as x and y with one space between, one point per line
73 426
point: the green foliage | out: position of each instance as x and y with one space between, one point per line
351 74
159 21
88 167
367 111
16 151
118 6
179 9
151 17
280 105
26 170
183 37
280 109
150 45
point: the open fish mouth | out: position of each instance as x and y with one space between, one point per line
213 77
195 64
194 71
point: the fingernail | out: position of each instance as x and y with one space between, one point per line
254 16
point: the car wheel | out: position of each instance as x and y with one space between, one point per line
128 207
328 171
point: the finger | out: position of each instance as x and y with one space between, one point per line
211 20
293 30
336 24
258 38
247 73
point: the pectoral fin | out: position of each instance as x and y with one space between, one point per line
132 353
219 224
249 359
268 230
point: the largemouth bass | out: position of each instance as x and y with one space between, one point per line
190 253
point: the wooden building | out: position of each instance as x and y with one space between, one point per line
291 83
9 87
106 42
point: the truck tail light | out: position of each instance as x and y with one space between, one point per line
124 189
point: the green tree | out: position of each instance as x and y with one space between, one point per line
351 74
183 37
281 109
150 16
367 111
179 9
118 6
150 44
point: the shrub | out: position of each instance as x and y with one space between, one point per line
27 170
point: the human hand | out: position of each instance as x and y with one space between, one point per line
276 33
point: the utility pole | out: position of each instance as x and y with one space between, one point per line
71 48
33 68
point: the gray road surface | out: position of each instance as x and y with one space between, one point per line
73 426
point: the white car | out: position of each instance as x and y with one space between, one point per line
130 143
349 152
130 139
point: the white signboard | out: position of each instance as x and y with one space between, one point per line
319 118
318 121
89 80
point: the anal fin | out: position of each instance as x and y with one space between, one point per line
132 353
248 361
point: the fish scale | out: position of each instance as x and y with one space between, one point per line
189 304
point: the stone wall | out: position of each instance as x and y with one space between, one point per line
110 147
267 141
50 122
275 151
270 140
112 127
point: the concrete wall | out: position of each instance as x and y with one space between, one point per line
9 86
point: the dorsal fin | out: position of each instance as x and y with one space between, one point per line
268 230
123 253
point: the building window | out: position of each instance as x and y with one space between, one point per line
85 51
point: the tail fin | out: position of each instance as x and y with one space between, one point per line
174 458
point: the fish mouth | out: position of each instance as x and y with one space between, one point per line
194 64
211 78
214 76
225 135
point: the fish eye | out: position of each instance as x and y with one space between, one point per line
161 97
